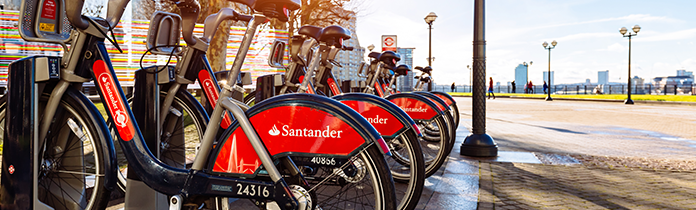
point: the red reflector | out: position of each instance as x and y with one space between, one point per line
417 130
383 146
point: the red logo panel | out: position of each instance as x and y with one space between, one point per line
447 100
213 94
114 101
379 90
284 129
416 109
333 86
385 123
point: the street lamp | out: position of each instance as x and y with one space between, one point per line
546 46
429 19
623 31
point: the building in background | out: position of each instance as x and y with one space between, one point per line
405 83
638 85
546 78
685 73
521 77
349 60
603 77
683 79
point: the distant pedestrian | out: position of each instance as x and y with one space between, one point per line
513 86
453 87
490 89
531 87
545 87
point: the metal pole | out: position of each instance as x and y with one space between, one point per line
430 52
628 100
478 143
548 92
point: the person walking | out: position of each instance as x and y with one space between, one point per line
453 87
490 88
531 87
513 86
545 87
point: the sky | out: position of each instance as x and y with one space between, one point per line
587 32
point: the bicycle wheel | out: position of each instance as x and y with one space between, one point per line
182 131
407 167
435 143
71 174
250 99
369 186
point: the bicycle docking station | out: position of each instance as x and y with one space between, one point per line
146 98
20 158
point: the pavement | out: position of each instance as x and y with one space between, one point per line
538 168
572 155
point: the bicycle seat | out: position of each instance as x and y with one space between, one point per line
310 31
390 58
402 70
272 8
427 70
374 55
334 35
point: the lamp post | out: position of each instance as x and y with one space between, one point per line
429 19
546 46
623 31
478 143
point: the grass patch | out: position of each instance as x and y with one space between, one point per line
678 98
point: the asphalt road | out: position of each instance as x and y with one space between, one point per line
590 128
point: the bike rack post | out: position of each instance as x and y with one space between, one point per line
20 158
145 100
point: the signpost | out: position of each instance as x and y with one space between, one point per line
389 43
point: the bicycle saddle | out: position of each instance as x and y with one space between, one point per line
333 35
374 55
310 31
402 70
272 8
390 58
427 70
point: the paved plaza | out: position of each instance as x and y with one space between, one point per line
574 155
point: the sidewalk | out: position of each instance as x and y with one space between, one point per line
535 170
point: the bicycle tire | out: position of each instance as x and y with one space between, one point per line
407 167
80 164
435 152
170 153
250 99
382 186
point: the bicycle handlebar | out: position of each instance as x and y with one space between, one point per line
212 22
189 10
74 13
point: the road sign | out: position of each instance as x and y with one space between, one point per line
389 43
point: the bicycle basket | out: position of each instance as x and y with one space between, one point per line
44 21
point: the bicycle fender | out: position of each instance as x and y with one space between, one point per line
385 116
303 125
446 97
418 107
440 103
110 177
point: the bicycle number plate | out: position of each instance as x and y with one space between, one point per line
319 161
247 190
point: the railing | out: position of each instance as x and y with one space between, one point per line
649 89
